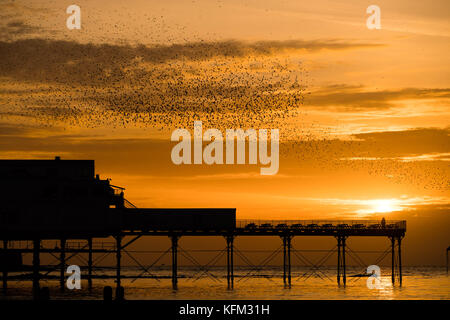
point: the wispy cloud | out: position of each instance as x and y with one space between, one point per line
423 157
346 98
42 59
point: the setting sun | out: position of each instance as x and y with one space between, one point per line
383 206
380 206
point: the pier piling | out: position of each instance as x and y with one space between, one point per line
230 266
284 260
174 239
393 260
342 268
287 260
400 277
339 261
396 263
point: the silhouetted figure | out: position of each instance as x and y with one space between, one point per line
383 222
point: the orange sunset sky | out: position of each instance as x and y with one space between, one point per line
363 114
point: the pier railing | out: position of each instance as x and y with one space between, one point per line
321 224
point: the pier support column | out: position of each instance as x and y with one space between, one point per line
399 241
342 268
232 261
396 259
5 267
284 260
62 264
287 260
174 262
36 263
289 238
339 261
230 264
118 258
90 264
393 260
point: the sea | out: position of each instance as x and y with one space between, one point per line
195 283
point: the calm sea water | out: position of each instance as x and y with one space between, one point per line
418 283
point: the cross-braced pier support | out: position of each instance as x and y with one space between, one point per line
230 262
287 260
396 256
341 265
174 239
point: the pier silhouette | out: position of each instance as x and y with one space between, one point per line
64 200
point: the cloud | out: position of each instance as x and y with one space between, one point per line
69 62
9 130
355 98
384 145
407 142
15 28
